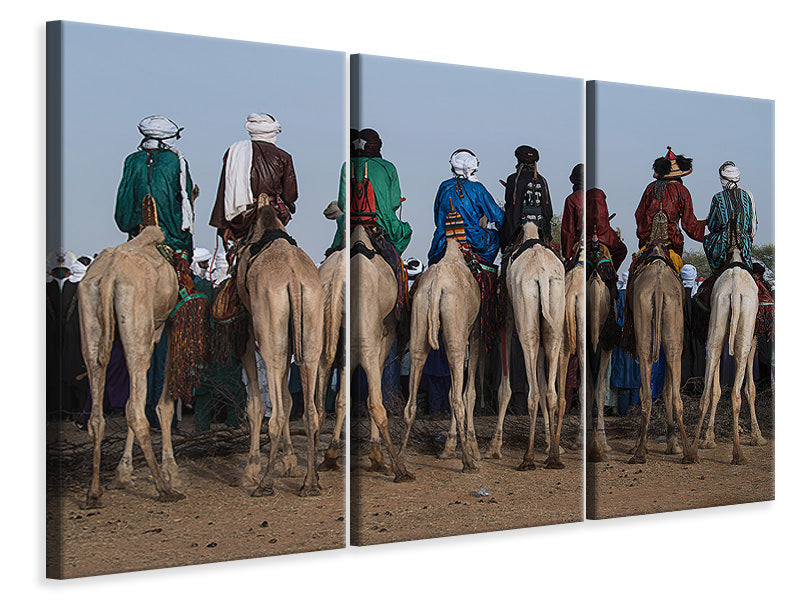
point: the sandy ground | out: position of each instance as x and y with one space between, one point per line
616 488
442 502
217 521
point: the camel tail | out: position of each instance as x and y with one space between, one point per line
572 333
105 314
658 308
296 304
544 299
736 309
333 321
434 296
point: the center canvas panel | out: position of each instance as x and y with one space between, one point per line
466 219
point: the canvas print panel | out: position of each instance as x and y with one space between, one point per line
680 299
190 328
458 178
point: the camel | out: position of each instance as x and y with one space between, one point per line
574 333
372 332
448 297
333 275
535 281
281 290
657 297
133 289
734 305
599 303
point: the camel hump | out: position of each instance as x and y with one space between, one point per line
150 236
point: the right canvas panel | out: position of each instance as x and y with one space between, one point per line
680 294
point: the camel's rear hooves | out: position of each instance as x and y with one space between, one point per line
469 469
403 477
708 445
329 464
308 492
259 492
739 461
759 441
93 503
170 496
527 466
637 460
553 463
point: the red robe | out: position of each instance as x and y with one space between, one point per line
571 223
597 222
675 199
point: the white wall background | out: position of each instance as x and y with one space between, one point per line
732 47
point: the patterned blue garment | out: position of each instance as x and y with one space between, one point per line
725 206
475 203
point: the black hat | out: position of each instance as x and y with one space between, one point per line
526 155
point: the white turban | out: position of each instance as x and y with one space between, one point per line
262 127
689 277
201 254
729 176
464 164
76 271
161 132
622 281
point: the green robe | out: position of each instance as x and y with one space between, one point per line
160 179
383 176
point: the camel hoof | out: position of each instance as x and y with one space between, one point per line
631 450
93 502
378 467
469 469
260 491
307 492
637 460
553 463
493 455
690 459
290 466
329 464
121 483
403 476
170 496
526 465
606 448
672 450
446 454
708 444
758 441
739 460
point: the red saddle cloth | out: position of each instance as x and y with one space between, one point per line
362 200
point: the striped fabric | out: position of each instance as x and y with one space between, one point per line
729 223
454 228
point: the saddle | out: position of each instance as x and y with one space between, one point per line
598 260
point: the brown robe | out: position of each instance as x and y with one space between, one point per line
272 173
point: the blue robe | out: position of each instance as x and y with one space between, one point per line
716 240
477 202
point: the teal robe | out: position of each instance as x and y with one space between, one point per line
383 177
724 205
154 172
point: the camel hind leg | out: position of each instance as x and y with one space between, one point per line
276 377
418 350
289 458
165 410
470 392
308 375
503 394
97 428
756 439
530 349
332 453
255 416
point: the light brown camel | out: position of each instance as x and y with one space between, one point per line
599 303
333 276
657 297
574 335
734 306
448 298
373 327
535 282
133 289
281 290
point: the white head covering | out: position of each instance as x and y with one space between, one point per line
77 270
414 266
622 281
161 132
262 127
200 254
689 277
219 270
464 164
238 193
729 176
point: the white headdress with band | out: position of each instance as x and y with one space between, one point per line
238 193
729 176
162 133
464 164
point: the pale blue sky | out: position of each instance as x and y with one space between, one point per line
114 76
635 124
424 111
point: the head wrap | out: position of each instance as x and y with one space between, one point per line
526 155
262 127
576 177
219 270
622 281
689 277
464 164
201 254
76 271
162 133
414 266
368 144
729 175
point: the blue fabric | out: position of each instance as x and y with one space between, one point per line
722 211
657 375
477 202
624 369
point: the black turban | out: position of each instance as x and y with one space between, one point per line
576 177
526 155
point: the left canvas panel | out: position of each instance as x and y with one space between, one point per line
192 293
